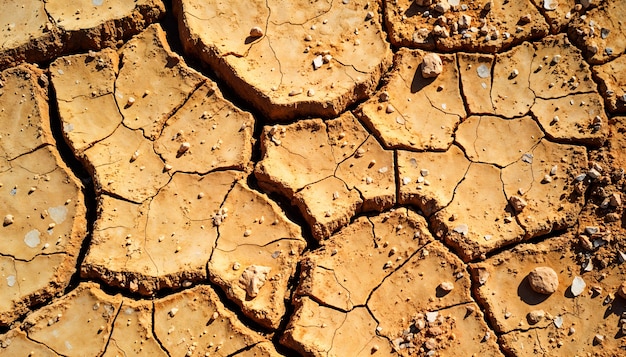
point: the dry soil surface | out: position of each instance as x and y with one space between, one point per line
312 178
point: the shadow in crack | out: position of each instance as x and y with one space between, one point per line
528 295
617 307
415 10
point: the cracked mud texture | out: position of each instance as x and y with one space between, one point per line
42 205
267 179
309 59
38 30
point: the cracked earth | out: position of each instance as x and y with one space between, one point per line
312 178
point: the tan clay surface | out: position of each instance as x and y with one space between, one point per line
40 30
42 205
328 178
282 69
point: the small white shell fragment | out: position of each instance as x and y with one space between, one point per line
253 279
11 280
578 285
406 180
483 71
131 101
558 321
135 156
462 229
247 233
553 170
550 5
32 238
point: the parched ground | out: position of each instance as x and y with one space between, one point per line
312 178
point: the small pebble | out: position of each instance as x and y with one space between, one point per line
598 339
446 286
535 316
256 32
184 147
621 291
8 220
432 66
543 280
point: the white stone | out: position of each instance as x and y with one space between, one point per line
483 71
462 229
558 321
318 62
550 5
32 238
432 316
58 214
578 285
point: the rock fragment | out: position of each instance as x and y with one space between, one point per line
543 280
431 65
535 316
446 286
578 285
621 290
256 32
518 203
253 279
8 220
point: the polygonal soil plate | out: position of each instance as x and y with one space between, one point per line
330 170
289 59
41 206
